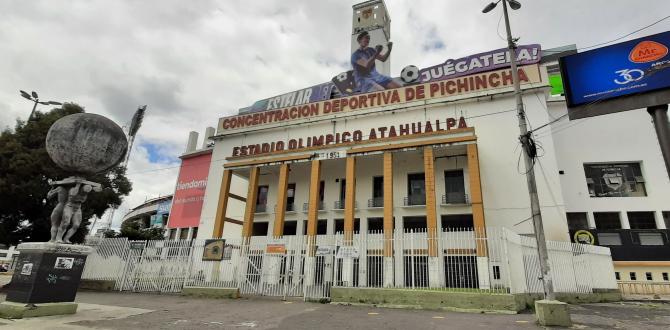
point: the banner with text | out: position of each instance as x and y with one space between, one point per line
190 192
449 88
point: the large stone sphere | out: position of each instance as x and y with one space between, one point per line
86 143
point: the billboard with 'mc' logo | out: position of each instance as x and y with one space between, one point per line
624 76
189 192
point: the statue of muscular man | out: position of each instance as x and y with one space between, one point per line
71 192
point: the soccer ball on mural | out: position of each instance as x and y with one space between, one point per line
409 74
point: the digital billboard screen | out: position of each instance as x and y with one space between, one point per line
629 68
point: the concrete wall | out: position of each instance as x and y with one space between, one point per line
620 137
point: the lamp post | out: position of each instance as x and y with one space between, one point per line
36 99
525 140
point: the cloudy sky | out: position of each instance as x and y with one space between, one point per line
192 62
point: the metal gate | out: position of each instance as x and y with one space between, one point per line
156 266
273 270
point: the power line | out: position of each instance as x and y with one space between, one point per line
616 39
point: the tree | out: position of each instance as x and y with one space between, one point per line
135 229
25 168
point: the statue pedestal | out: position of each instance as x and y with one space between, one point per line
45 280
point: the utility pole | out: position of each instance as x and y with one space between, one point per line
659 114
530 171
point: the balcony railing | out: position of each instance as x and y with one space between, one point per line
376 202
261 208
455 198
415 200
290 207
340 205
305 206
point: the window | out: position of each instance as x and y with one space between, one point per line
195 233
666 219
173 233
665 276
648 239
648 276
496 272
290 197
641 220
607 239
416 189
262 199
183 234
617 276
343 191
322 188
632 276
577 220
615 180
377 191
607 220
454 185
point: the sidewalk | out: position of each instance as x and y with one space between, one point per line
152 311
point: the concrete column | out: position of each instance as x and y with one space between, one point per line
312 218
350 199
476 199
313 209
222 204
623 216
589 219
192 141
250 209
189 236
209 132
660 222
349 210
280 212
388 219
431 218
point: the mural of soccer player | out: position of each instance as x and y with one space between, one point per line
363 62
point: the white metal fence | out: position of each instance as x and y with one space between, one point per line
491 261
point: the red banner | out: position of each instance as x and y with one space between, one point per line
190 192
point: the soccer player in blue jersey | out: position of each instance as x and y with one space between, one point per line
363 61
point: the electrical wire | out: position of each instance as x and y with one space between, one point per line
616 39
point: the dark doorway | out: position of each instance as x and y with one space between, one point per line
416 271
454 184
259 229
290 227
290 197
457 222
339 225
461 271
375 224
416 189
414 223
377 191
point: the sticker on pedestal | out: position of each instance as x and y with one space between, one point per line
27 269
64 263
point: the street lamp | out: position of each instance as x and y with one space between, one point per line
526 141
35 98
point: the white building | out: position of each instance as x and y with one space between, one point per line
370 162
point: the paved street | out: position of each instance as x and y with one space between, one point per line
148 311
